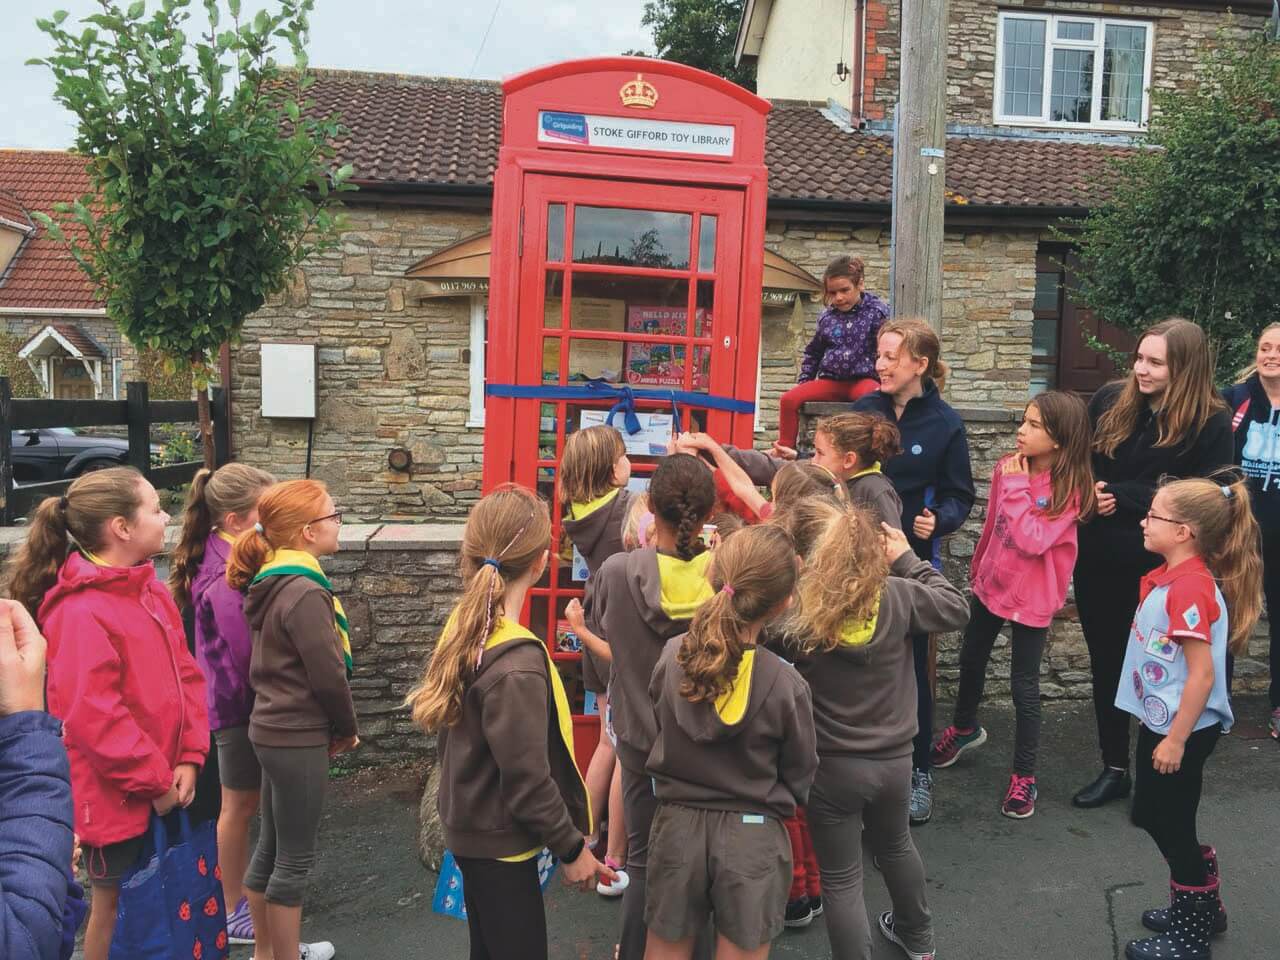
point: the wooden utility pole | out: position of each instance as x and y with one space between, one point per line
919 163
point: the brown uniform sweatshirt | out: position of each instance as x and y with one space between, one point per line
752 749
638 601
508 783
598 536
864 691
874 492
299 679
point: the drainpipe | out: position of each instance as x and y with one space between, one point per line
859 61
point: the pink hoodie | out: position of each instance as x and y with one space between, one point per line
1023 560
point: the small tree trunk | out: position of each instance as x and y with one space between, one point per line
206 426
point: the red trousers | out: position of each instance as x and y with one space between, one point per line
817 391
805 881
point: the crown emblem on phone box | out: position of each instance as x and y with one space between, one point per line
639 93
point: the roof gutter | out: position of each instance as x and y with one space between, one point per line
884 208
50 312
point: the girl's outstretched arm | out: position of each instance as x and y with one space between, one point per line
578 620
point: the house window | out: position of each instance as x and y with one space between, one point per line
1072 71
479 342
117 378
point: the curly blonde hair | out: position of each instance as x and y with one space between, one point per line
844 575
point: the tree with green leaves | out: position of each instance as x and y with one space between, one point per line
1192 224
212 176
700 33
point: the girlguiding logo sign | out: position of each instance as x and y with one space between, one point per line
636 133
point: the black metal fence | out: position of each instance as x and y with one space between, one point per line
138 412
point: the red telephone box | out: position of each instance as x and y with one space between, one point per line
628 247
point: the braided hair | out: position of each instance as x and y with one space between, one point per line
683 493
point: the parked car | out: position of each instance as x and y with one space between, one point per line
59 453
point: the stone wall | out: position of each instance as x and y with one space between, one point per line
393 371
1180 35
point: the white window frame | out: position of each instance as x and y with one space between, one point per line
1051 42
117 377
479 312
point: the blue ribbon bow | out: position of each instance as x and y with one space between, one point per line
624 398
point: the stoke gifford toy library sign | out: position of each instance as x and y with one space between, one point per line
635 133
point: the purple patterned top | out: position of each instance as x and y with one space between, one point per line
844 346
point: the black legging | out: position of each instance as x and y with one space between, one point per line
505 915
924 703
1025 653
1271 589
1165 804
1107 576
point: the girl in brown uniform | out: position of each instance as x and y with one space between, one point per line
863 595
638 601
734 755
508 786
593 492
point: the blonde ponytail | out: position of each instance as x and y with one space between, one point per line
507 534
1219 512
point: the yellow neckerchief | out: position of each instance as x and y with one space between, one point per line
855 633
507 630
874 468
580 511
93 558
225 536
684 583
731 705
286 562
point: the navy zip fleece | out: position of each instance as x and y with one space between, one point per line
1257 449
933 469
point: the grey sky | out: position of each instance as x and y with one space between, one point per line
435 37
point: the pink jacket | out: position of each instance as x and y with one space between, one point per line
1023 560
130 696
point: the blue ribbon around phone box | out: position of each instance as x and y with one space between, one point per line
624 398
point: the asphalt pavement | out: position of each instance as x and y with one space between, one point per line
1066 883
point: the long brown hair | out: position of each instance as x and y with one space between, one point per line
507 534
232 488
870 437
921 341
1066 420
753 573
1226 535
1189 400
1251 368
80 517
283 510
586 469
844 575
799 481
682 492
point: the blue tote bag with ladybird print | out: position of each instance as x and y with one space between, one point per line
171 905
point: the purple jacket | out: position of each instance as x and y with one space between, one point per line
224 642
844 346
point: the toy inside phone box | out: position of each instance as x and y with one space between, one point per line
662 364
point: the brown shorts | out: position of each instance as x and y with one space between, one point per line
106 865
238 767
595 672
736 866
